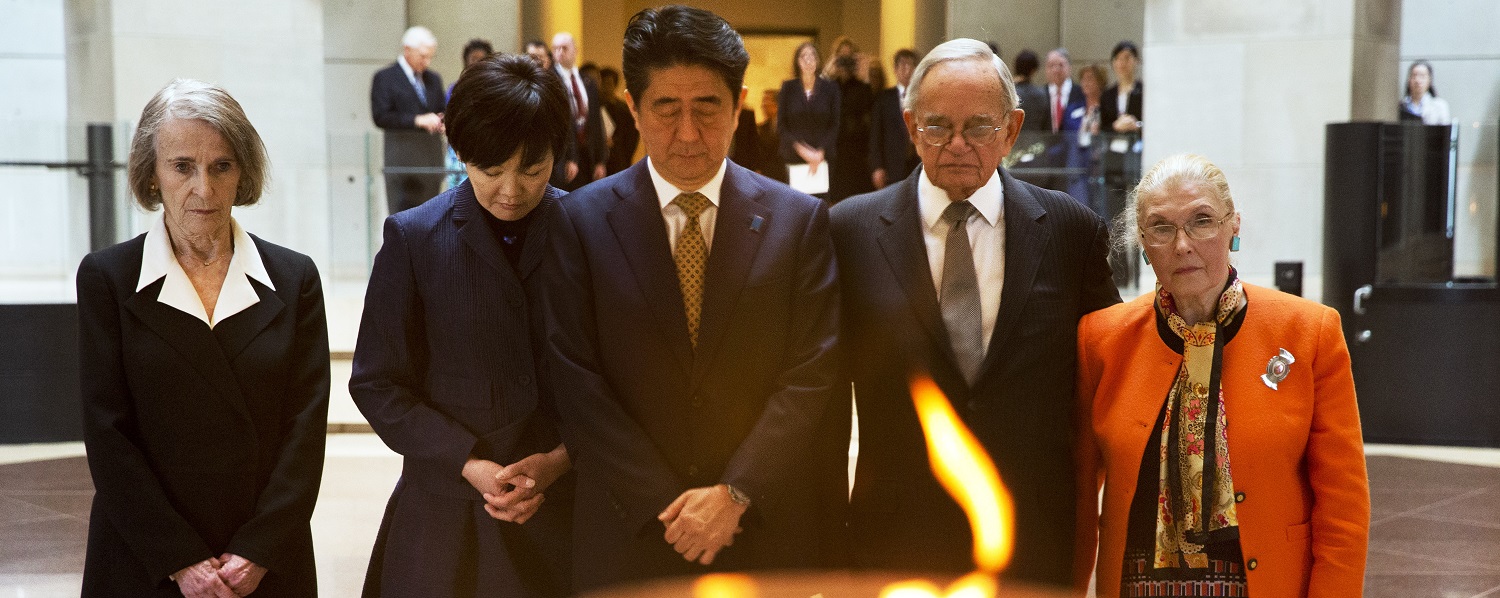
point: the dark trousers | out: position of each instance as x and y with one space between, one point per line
406 191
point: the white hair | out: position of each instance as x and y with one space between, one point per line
418 37
961 49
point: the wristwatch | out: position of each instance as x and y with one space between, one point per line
737 496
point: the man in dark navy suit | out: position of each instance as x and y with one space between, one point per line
406 101
892 156
967 275
692 333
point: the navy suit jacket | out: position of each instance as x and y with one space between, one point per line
446 366
394 106
201 441
647 417
814 121
890 143
1021 408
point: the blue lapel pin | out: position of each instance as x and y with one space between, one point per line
755 222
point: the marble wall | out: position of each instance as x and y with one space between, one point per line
1251 86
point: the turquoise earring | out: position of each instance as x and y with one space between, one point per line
1146 257
1234 244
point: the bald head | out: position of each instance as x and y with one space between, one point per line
564 50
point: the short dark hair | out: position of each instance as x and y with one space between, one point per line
1026 64
477 44
1125 45
905 54
504 105
676 35
607 73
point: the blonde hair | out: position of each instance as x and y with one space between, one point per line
189 99
1165 176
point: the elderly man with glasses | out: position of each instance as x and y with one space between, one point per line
969 276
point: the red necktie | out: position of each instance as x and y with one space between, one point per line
1057 109
582 107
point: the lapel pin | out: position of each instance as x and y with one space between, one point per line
755 223
1277 369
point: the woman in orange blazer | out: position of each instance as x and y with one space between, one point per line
1259 491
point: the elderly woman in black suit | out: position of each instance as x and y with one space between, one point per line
445 368
204 353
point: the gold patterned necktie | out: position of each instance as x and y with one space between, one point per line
691 255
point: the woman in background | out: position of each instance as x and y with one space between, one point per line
1421 102
204 353
1219 416
807 118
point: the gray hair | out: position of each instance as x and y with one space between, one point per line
961 49
1165 176
418 37
189 99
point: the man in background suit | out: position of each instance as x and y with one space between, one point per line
892 156
591 150
966 275
692 327
406 101
623 141
1061 93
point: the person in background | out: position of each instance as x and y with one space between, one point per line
446 366
807 121
1421 102
406 102
1122 101
625 139
967 275
204 373
692 328
1082 126
842 46
1033 96
745 149
851 175
538 51
1218 416
474 51
892 155
771 164
591 151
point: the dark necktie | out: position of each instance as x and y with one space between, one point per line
580 108
959 296
691 255
1057 109
416 84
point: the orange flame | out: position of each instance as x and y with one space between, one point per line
968 474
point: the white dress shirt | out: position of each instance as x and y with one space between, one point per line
675 218
411 77
158 261
569 76
986 227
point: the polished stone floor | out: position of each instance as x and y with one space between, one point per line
1435 529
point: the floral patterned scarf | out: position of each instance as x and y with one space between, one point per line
1195 503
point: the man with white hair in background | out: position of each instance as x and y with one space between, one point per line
406 102
586 162
969 276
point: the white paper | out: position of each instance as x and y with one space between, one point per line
810 183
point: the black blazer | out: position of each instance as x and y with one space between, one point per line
1109 109
394 105
814 121
1034 102
595 147
646 417
445 367
626 137
1020 408
890 143
201 441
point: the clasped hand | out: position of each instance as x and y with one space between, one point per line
229 576
514 492
702 522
